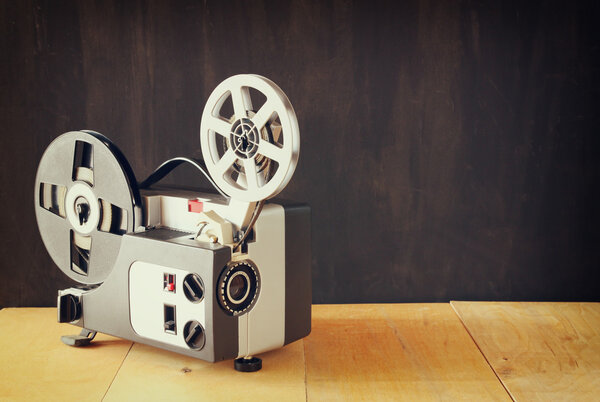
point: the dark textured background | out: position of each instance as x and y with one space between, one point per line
449 149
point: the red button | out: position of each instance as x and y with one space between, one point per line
195 206
171 286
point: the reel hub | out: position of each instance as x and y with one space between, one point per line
244 138
82 208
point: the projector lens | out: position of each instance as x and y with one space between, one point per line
238 287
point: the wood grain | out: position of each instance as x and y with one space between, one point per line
540 351
154 374
36 365
395 352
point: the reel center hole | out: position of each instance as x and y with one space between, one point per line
244 138
82 209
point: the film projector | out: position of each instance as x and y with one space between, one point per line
214 275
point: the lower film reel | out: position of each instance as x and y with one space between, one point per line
86 198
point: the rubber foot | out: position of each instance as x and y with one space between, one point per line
247 365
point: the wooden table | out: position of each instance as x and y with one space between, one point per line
461 350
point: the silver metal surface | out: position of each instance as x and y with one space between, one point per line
112 183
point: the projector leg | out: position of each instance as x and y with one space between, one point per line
247 364
83 339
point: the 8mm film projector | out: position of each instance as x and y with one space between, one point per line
216 276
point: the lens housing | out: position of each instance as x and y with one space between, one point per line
238 287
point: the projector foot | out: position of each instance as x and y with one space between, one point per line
247 364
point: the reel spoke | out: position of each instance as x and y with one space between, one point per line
219 126
104 190
55 221
241 101
59 247
271 151
251 174
226 161
103 246
62 168
262 117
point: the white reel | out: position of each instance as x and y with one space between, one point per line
252 154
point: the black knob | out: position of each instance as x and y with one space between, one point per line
193 288
69 308
193 333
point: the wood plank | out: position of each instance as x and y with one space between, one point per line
395 352
36 365
540 351
155 374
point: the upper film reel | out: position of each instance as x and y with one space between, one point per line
250 137
86 197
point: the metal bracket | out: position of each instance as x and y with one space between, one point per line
83 339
